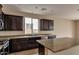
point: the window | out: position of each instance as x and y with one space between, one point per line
31 25
35 25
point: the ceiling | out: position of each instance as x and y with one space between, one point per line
68 11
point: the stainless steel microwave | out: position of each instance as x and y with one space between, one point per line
1 24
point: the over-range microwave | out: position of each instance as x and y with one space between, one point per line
1 24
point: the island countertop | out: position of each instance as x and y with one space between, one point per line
46 43
56 44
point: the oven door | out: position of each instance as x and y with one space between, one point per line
1 24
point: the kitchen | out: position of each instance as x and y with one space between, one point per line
23 30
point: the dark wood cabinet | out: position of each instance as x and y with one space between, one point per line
21 44
46 24
17 23
0 11
7 23
1 19
41 24
13 23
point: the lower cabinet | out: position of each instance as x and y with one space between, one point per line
21 44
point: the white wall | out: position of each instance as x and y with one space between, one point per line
77 31
64 28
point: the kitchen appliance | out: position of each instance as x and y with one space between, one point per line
1 18
1 24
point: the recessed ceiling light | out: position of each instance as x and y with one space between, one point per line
43 9
36 7
77 9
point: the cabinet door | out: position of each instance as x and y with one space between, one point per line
7 23
46 24
0 11
17 22
0 14
13 23
43 24
18 44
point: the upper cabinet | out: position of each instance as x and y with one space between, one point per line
46 24
0 11
1 19
13 23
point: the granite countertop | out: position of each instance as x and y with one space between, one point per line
46 43
21 36
54 44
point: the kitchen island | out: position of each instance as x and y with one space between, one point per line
54 45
